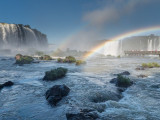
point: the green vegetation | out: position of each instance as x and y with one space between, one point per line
118 56
123 81
150 65
55 74
45 57
68 59
20 59
80 62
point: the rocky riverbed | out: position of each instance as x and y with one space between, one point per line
91 93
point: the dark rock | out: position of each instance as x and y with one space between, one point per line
122 82
142 76
156 86
1 86
140 68
36 62
56 93
6 84
3 59
9 83
114 80
121 89
83 115
124 73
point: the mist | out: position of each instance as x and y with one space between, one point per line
98 22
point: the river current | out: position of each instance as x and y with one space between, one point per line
25 100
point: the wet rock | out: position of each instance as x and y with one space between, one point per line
56 93
142 76
114 80
123 73
1 86
105 96
85 114
6 84
140 68
156 86
36 62
121 89
9 83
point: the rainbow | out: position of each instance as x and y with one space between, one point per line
120 37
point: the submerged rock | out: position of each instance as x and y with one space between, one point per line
123 73
85 114
6 84
56 93
156 86
105 96
142 76
140 68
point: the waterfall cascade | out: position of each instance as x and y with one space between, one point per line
20 36
140 43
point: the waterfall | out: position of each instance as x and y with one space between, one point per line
112 48
20 36
143 43
150 45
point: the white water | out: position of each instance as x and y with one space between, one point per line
115 48
26 99
19 36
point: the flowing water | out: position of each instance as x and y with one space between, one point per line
26 99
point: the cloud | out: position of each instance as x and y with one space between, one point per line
99 19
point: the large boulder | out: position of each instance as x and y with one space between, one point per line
20 59
56 93
55 74
45 57
85 114
122 81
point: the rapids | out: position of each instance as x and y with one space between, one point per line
26 99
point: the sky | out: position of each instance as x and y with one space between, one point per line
81 20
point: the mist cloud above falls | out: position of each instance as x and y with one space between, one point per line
98 21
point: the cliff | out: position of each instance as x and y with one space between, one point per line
20 36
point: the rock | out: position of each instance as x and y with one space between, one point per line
121 89
123 73
140 68
20 59
85 114
142 76
156 86
114 80
36 62
102 96
122 81
6 84
56 93
18 56
55 74
9 83
1 86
